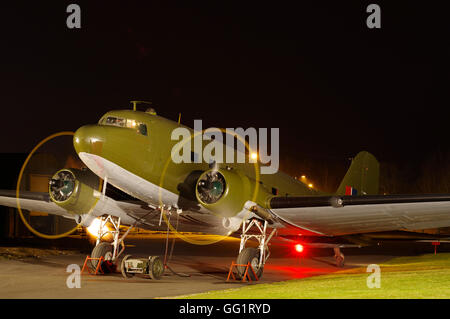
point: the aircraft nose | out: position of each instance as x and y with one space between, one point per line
89 139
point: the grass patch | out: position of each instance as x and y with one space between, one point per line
426 276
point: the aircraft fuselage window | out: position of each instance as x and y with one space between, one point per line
274 191
131 123
141 128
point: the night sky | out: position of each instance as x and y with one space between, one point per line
332 86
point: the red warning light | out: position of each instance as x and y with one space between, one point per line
299 248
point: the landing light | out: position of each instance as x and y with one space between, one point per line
94 228
299 248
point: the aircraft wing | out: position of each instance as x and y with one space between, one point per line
345 215
33 201
130 212
41 202
320 216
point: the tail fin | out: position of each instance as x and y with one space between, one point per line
362 178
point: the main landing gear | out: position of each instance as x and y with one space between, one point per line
153 266
256 256
110 251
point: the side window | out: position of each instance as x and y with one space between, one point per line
274 191
142 129
131 123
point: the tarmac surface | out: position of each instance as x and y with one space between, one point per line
206 265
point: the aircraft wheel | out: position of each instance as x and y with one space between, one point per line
251 255
340 261
155 267
122 267
102 249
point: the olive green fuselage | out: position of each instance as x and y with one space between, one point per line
149 157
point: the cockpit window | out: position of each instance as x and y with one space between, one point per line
111 120
141 128
120 122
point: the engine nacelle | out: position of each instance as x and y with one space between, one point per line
76 191
223 192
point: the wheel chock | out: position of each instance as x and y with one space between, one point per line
246 273
98 269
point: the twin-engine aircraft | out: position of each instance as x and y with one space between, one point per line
131 150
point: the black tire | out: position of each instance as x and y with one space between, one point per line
122 268
155 267
103 249
251 255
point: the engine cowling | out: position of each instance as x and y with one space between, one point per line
223 192
77 191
